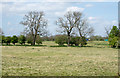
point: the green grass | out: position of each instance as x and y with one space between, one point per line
95 59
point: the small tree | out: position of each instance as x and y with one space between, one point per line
38 40
3 39
14 39
83 41
113 37
22 39
61 39
8 40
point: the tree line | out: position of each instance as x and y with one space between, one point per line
20 39
72 23
59 39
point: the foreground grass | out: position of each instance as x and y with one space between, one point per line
96 59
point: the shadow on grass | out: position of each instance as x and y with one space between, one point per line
94 46
26 45
69 46
101 44
59 46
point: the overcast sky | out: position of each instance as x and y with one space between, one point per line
99 14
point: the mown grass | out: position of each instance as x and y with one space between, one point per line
95 59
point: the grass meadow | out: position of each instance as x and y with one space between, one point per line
95 59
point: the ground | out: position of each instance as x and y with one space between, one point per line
96 59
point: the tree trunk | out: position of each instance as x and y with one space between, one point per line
34 39
68 39
33 43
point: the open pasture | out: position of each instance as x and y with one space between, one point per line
95 59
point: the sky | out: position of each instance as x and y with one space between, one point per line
99 14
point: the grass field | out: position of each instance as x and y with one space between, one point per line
95 59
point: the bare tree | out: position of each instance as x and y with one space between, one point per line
84 28
68 22
35 24
107 31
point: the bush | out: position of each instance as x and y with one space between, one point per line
3 39
75 40
61 39
8 40
29 41
22 39
83 41
14 39
78 41
38 40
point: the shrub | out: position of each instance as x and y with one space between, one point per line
8 40
29 41
38 40
14 39
61 39
22 39
83 41
75 40
3 39
78 41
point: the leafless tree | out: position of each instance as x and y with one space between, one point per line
35 24
84 28
107 31
73 20
68 22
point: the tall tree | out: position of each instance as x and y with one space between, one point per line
68 22
35 24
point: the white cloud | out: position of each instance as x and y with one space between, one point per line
75 9
61 13
92 18
89 5
20 8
